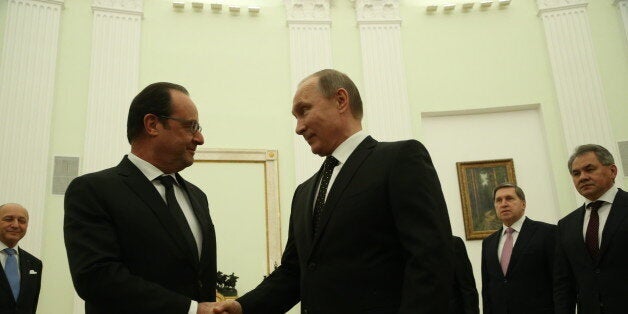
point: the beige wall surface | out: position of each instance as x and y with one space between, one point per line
237 69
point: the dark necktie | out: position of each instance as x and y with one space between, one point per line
10 269
175 209
591 238
328 168
507 250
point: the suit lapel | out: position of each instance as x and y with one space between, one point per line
493 249
527 232
25 273
348 170
145 190
4 285
309 187
203 217
578 240
616 218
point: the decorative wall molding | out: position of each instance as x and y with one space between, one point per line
309 25
27 79
577 80
553 5
377 11
387 110
306 11
134 7
271 183
622 5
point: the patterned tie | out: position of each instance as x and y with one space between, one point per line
328 168
593 228
10 268
507 250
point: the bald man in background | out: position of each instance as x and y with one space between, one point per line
20 281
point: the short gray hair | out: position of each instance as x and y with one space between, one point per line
330 80
504 185
602 154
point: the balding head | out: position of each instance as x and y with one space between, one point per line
13 223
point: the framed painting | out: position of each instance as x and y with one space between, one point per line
477 179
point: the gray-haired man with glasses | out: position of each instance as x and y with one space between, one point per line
139 237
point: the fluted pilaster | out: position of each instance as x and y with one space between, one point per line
577 79
27 79
113 80
310 50
387 112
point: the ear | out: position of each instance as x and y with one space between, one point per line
151 123
342 97
613 168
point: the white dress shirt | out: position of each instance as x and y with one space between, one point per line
4 255
602 212
517 227
342 153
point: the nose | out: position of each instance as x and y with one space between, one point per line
300 129
198 138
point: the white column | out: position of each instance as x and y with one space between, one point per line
310 50
577 79
385 96
114 74
622 5
27 80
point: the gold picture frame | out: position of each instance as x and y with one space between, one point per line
477 179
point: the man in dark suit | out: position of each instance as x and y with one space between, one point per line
20 281
592 244
139 237
379 241
517 260
464 296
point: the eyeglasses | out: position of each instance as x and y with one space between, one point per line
193 125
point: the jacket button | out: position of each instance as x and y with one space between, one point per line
311 266
200 284
597 270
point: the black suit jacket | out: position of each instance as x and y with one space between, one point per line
597 286
125 249
527 286
30 284
464 296
384 244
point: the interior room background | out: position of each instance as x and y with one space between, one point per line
520 79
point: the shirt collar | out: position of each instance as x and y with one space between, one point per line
517 225
4 246
148 170
344 150
608 197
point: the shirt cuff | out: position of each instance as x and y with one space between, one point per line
193 307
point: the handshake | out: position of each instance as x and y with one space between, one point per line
224 307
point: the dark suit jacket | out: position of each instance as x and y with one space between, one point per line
597 286
30 283
384 244
464 296
125 250
527 287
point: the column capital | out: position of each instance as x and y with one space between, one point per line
377 11
308 11
134 7
556 5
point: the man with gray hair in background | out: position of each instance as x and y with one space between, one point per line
517 259
591 269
